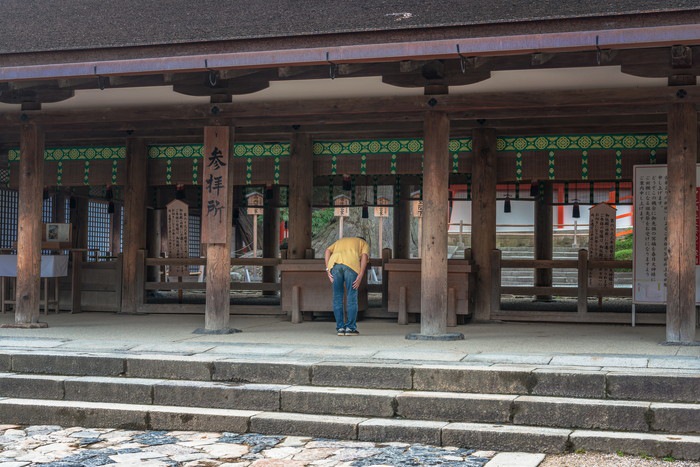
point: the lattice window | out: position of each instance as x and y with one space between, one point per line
194 240
99 224
8 217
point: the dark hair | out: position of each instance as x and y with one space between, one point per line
362 238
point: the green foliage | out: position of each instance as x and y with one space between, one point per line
620 453
580 451
622 255
624 243
645 456
320 218
669 459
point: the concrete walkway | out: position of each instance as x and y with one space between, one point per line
592 346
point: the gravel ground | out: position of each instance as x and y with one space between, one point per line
611 460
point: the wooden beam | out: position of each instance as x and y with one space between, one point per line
614 100
301 186
402 221
682 158
31 170
436 171
135 190
483 215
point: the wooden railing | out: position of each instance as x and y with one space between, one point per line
581 291
235 285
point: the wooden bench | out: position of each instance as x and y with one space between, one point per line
404 288
306 289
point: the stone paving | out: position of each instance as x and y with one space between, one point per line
54 446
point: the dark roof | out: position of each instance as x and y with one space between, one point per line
53 25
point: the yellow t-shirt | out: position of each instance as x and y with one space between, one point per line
348 251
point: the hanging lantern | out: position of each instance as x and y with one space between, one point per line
180 192
347 183
110 207
506 204
365 211
45 194
109 193
576 211
73 203
269 193
534 189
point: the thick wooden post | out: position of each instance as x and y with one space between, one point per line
271 242
483 216
218 145
31 181
135 193
582 301
544 231
682 157
433 277
402 222
301 185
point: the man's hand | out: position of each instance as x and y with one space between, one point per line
330 275
358 281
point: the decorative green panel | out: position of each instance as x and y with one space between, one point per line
180 151
581 142
261 149
519 166
77 153
383 146
584 165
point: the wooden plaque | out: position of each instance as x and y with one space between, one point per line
342 206
215 208
382 208
254 200
178 235
601 243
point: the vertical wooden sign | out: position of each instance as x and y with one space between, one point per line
341 210
601 243
178 235
215 200
380 212
255 208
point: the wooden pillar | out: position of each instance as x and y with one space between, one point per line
301 184
135 192
682 157
116 230
544 231
79 221
402 222
59 207
154 241
271 232
433 277
483 216
218 142
31 182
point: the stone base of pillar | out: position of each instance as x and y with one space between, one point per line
667 343
26 325
450 336
216 331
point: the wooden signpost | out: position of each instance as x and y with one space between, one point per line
178 238
417 212
254 202
601 245
342 210
380 212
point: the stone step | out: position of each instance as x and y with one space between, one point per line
564 412
467 435
604 377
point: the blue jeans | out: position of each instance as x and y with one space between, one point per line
343 277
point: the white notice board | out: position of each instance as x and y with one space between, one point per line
651 234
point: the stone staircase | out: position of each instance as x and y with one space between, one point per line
485 406
560 277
